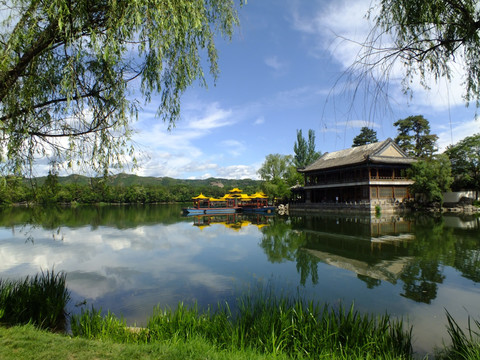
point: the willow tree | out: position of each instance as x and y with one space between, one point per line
70 70
430 38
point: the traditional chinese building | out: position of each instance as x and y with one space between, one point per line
358 178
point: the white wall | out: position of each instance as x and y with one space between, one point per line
454 197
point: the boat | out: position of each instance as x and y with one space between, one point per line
233 202
203 205
257 204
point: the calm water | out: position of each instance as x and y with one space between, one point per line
130 258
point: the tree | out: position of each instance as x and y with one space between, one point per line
366 136
428 38
279 174
414 137
305 152
432 177
68 69
465 159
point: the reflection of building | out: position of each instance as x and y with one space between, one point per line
370 247
232 221
359 178
386 270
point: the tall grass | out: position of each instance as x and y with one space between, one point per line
465 345
266 325
39 300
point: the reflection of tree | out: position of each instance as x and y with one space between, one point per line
433 244
371 282
122 217
279 242
307 265
467 256
420 281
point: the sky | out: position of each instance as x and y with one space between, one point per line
286 69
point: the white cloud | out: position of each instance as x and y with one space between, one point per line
458 131
177 153
238 172
274 63
260 120
341 27
233 147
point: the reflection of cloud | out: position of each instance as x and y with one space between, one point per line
109 260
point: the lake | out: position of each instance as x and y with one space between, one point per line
128 259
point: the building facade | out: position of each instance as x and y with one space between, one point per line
360 178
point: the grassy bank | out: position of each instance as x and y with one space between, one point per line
285 327
262 327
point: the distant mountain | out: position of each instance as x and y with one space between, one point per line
123 179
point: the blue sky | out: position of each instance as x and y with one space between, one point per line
281 72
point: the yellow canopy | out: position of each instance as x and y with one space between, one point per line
235 190
259 195
219 199
201 196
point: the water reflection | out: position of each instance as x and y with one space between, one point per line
232 221
413 250
130 258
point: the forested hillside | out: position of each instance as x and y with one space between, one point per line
120 188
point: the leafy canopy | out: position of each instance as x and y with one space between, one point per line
465 159
68 71
431 177
366 136
304 150
414 137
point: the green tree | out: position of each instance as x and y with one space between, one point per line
279 174
414 137
49 190
427 38
465 159
305 152
66 69
366 136
432 178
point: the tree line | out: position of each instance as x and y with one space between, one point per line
15 189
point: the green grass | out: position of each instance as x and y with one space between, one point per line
28 342
263 325
39 300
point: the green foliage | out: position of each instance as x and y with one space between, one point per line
279 174
465 159
366 136
266 325
65 71
432 178
414 137
39 300
121 188
305 153
465 345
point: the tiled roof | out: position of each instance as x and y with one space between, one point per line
360 154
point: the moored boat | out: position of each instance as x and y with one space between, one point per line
234 201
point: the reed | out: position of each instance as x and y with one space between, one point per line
465 345
266 325
39 300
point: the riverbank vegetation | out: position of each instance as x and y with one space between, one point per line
261 326
121 188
